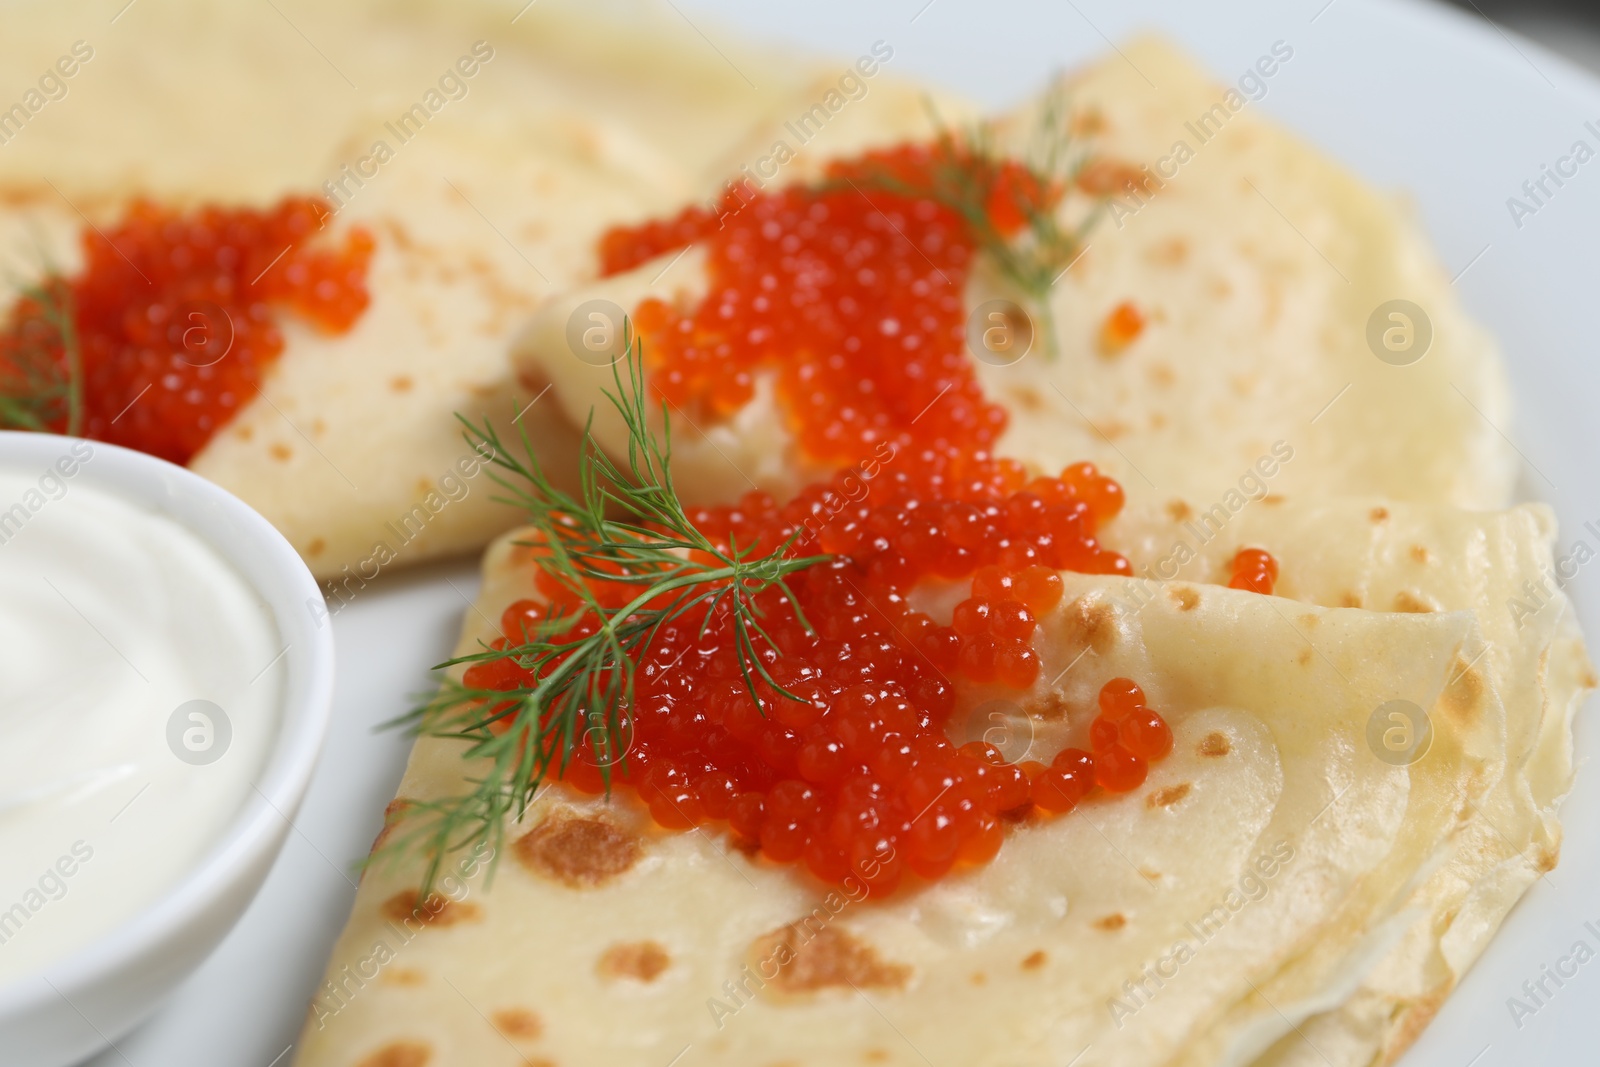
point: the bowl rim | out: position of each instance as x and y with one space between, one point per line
274 571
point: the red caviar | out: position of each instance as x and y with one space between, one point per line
1254 569
176 313
851 296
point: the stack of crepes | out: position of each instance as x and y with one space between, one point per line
484 149
1277 892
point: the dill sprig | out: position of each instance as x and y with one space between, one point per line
626 525
41 363
967 177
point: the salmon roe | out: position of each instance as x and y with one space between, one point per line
176 314
853 299
1254 569
850 295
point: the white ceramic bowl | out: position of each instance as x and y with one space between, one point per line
84 1002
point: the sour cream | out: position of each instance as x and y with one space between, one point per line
141 683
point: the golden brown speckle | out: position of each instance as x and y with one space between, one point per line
1379 514
642 961
1179 511
400 1054
825 958
1092 621
1214 744
401 383
1167 796
280 452
1350 600
1419 553
1186 598
433 910
1034 960
519 1023
581 851
1412 603
1110 923
406 977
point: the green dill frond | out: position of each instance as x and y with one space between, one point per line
625 525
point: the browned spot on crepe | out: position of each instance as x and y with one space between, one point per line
403 976
400 1054
1169 795
1304 658
1169 253
811 959
1419 553
1463 691
1161 374
401 383
1034 960
317 547
640 960
1186 598
582 851
1378 514
1411 603
1110 177
517 1022
1092 622
1178 510
1273 499
1350 600
979 978
1115 921
1309 621
876 1055
1547 858
280 452
432 910
1027 398
392 814
1214 744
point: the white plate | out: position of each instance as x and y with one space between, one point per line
1414 97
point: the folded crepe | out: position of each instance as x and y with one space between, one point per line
1257 270
1417 558
1272 848
495 198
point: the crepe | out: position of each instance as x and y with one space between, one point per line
573 121
1418 558
1257 268
601 940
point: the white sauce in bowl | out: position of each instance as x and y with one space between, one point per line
114 621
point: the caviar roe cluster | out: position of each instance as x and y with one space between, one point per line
850 295
853 298
175 314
